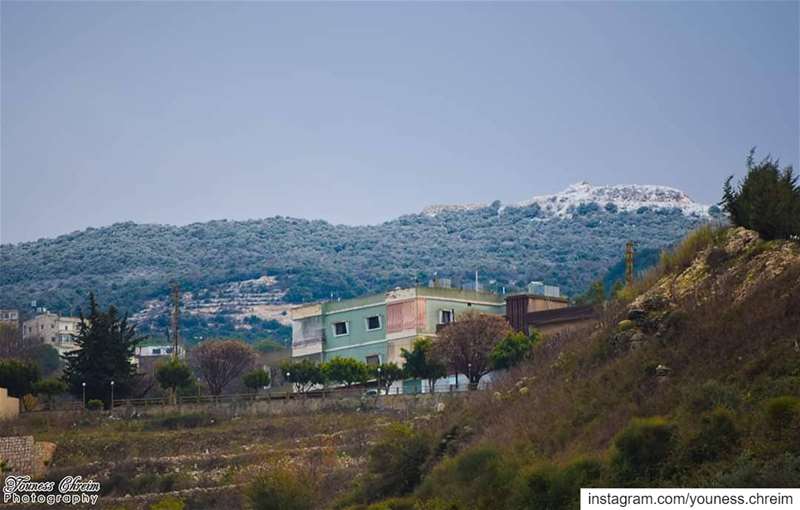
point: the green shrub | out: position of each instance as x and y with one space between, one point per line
18 377
395 464
641 450
279 489
625 325
712 394
782 413
436 504
717 436
780 471
554 488
94 404
168 503
394 504
256 379
682 255
479 478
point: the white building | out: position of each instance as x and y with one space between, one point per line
52 329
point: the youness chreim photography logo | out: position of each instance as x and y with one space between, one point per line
71 490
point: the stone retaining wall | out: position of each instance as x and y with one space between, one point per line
21 455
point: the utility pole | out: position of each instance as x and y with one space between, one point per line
176 315
629 263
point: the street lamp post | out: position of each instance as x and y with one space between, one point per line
379 381
112 396
469 376
288 375
83 384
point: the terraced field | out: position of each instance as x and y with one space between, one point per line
204 459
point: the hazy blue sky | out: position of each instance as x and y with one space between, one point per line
357 113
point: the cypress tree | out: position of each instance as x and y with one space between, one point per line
767 200
106 344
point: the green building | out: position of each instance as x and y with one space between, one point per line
375 328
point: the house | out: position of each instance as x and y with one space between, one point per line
53 329
9 317
376 328
148 357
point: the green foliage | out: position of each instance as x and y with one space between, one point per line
18 377
555 488
718 435
257 379
128 264
279 489
173 374
49 388
713 394
420 363
303 374
513 349
168 503
641 451
681 256
106 345
782 413
347 371
625 325
388 374
46 357
767 200
94 404
480 478
395 464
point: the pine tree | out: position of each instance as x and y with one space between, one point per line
767 200
106 344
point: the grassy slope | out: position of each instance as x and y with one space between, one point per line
721 314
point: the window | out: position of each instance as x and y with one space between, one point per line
340 328
374 360
373 323
447 316
156 351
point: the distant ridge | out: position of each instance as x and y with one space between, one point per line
624 197
570 239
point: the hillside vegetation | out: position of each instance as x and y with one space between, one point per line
127 263
692 380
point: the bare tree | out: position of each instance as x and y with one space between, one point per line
221 361
465 345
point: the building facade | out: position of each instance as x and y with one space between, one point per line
376 328
52 329
10 318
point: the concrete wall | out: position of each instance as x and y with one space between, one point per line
9 406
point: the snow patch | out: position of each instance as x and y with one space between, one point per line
626 197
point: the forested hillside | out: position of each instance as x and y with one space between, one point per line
129 263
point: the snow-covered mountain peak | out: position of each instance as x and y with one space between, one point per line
623 197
